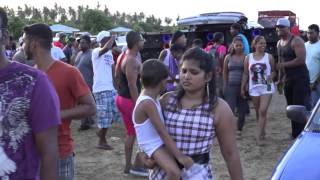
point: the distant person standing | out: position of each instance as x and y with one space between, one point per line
74 95
70 50
20 56
218 52
232 77
235 30
166 56
103 87
292 57
177 38
173 64
313 62
11 48
60 43
84 64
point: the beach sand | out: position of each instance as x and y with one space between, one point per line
257 162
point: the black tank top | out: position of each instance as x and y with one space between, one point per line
124 88
288 54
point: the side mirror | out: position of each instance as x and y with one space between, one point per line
297 113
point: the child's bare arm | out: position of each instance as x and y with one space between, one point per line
149 108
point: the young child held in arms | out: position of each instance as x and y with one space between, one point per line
152 135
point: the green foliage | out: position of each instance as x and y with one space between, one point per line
95 21
15 25
84 18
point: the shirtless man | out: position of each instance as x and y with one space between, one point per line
128 85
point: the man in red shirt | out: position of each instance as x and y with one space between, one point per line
75 97
60 43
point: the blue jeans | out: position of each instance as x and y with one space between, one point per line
315 94
66 167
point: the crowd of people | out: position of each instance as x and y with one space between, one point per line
174 106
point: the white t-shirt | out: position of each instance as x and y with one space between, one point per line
57 53
102 71
313 60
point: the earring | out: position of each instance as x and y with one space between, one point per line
208 90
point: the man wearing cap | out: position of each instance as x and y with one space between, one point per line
74 95
292 65
103 87
70 50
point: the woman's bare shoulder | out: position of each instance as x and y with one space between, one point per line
221 110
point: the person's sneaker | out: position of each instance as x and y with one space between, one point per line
139 171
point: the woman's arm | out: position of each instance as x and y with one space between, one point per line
273 69
225 72
245 76
225 130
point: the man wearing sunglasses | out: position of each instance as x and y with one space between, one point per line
292 65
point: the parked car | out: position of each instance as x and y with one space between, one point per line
300 162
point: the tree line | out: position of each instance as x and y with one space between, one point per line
84 18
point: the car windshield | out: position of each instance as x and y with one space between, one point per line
314 124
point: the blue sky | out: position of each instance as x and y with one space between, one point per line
306 10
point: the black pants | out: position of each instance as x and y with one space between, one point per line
297 92
234 99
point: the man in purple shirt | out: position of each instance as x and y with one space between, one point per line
29 117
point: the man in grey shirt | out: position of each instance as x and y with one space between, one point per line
84 64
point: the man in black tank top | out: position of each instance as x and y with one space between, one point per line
127 70
291 64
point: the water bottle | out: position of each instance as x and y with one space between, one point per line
268 86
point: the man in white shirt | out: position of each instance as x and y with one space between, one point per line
103 87
313 62
57 54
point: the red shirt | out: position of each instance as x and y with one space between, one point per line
70 86
58 44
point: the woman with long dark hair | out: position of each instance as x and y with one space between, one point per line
194 116
232 76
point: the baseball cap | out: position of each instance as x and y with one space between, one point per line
102 35
283 22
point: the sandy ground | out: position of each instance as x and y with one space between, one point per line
257 162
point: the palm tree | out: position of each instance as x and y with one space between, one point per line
46 14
